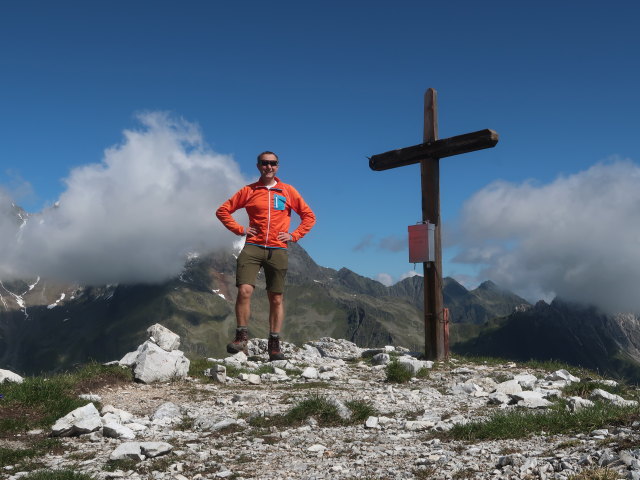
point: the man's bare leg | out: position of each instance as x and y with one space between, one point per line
243 305
243 312
276 317
276 311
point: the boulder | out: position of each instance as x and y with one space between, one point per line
81 420
562 375
208 423
576 403
509 387
115 415
310 373
167 413
217 373
339 349
153 364
412 364
116 430
9 376
530 399
163 337
140 450
614 399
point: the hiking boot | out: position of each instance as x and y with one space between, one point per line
274 349
239 344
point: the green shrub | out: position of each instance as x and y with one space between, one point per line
397 372
360 410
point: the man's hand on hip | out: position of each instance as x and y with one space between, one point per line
285 237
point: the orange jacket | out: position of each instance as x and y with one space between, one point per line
269 211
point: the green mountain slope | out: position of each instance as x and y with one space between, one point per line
565 332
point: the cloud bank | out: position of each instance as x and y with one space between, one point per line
577 237
133 217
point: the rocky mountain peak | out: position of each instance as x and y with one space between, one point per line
242 425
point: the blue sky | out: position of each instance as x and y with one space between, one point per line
326 84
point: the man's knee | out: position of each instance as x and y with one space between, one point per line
244 292
275 299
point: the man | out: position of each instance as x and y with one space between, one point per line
268 203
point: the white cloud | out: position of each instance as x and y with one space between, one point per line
577 237
388 280
134 216
385 279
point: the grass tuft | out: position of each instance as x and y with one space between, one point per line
520 424
598 473
38 402
319 408
57 475
397 372
584 389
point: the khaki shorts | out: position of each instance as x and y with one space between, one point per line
274 261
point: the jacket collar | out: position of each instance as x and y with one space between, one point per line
259 184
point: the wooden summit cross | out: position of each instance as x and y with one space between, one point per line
428 154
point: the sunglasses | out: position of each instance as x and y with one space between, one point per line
273 163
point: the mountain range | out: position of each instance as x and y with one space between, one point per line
48 326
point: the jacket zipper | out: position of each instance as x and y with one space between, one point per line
266 240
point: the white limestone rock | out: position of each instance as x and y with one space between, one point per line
153 364
418 425
526 381
163 337
380 359
140 450
310 373
509 387
467 388
562 375
90 397
498 398
529 399
372 422
343 412
127 451
337 348
218 373
116 430
113 414
413 365
80 421
212 424
167 413
576 403
9 376
612 398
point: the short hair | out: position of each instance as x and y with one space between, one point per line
268 153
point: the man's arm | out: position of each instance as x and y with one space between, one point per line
307 217
225 211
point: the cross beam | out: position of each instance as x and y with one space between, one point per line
469 142
428 154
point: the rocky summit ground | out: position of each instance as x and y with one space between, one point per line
201 428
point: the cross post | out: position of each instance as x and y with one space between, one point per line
428 154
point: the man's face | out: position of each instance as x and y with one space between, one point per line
268 166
